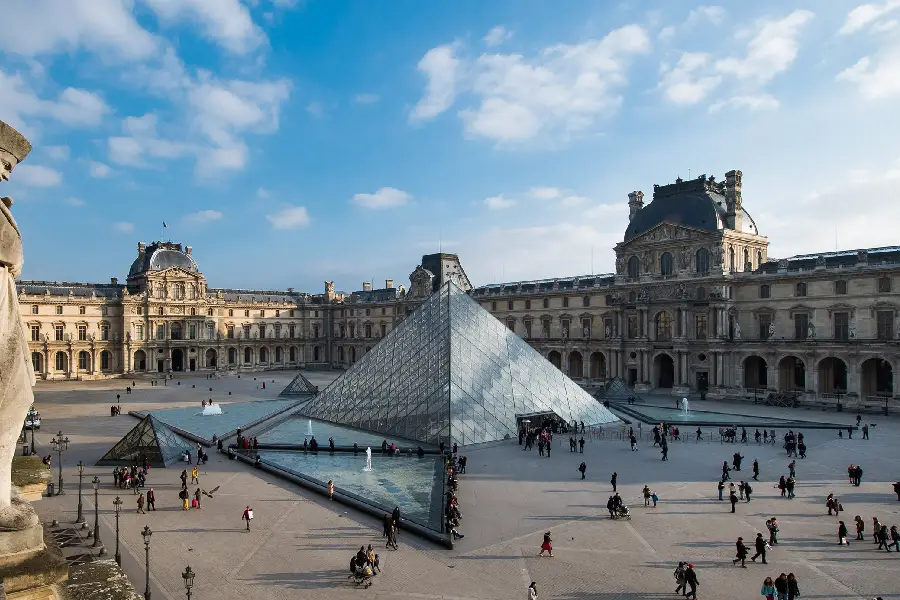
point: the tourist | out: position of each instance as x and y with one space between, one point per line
850 433
725 471
792 468
865 432
883 538
842 534
781 586
581 446
151 500
747 491
611 507
140 504
897 490
549 439
679 578
690 577
732 497
858 419
721 487
736 461
633 443
532 591
547 545
391 536
756 437
742 552
768 589
395 516
789 485
541 446
582 467
860 527
183 496
646 492
699 434
772 526
655 498
195 475
876 527
755 470
665 450
184 476
760 545
613 479
196 501
248 516
741 490
895 539
857 475
793 589
330 489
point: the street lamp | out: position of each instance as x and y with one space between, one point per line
60 445
80 517
96 482
188 577
117 503
38 416
146 533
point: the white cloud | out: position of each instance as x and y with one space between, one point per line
202 217
666 33
315 109
690 80
878 78
442 69
226 22
604 211
123 227
366 98
98 170
261 193
37 176
753 103
705 14
75 202
545 193
106 27
58 152
771 51
867 14
74 107
499 202
78 107
386 197
573 200
292 217
497 35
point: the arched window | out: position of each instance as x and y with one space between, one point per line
634 267
731 260
800 289
61 361
702 261
586 301
758 258
747 259
263 355
663 326
292 354
84 361
765 291
278 355
176 331
193 312
247 356
37 362
666 264
105 360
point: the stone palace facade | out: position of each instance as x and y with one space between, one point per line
695 304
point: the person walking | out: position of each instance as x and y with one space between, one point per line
581 446
391 536
195 475
772 525
741 555
768 589
633 441
732 497
793 588
183 496
140 504
725 471
665 450
747 491
760 545
547 545
151 500
613 479
781 586
690 577
755 470
679 579
876 527
197 495
247 516
184 476
330 489
894 539
582 468
646 491
860 527
792 469
865 432
611 507
532 591
883 537
842 534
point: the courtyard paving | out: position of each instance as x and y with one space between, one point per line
300 544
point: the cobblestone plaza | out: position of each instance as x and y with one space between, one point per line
300 544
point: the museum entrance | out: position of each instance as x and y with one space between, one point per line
665 371
178 360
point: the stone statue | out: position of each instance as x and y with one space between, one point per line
737 330
16 374
608 331
647 261
587 332
685 258
810 331
620 264
771 330
852 329
718 255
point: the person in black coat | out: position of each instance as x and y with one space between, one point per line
760 549
690 577
732 497
741 555
611 507
396 517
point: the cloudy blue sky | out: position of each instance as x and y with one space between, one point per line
293 141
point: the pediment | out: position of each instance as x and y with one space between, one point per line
668 232
176 273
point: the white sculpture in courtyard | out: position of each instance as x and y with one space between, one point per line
16 374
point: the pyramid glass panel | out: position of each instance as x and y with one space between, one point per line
299 386
150 439
451 372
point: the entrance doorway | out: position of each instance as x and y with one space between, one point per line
703 381
665 371
178 360
160 366
632 377
193 364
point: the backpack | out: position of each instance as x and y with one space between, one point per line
679 573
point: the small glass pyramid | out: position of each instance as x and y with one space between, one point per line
150 439
451 372
616 390
299 386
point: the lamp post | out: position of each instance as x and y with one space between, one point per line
32 433
188 577
117 503
60 445
96 482
80 517
146 533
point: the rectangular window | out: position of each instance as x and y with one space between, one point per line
278 332
246 313
566 302
192 332
840 287
34 309
509 305
291 313
292 331
546 302
884 285
229 332
35 333
885 323
210 331
352 330
104 333
277 313
59 310
315 330
765 321
139 332
230 312
82 333
545 328
82 310
368 331
801 325
494 305
564 325
262 313
528 329
842 326
383 329
160 332
511 324
528 305
58 331
262 332
700 326
633 330
246 332
104 361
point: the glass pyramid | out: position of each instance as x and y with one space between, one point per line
616 390
299 386
451 372
151 438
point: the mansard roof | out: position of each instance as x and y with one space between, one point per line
66 289
160 256
842 258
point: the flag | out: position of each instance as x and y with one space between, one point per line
165 225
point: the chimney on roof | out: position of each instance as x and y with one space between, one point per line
635 203
367 286
733 208
114 280
388 284
290 290
188 250
142 247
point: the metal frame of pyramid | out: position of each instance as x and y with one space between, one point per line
151 439
451 372
299 386
616 390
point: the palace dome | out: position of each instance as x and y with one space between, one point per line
160 256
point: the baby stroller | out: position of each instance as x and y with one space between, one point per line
362 576
622 512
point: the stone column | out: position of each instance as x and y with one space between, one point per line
46 363
683 323
720 369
